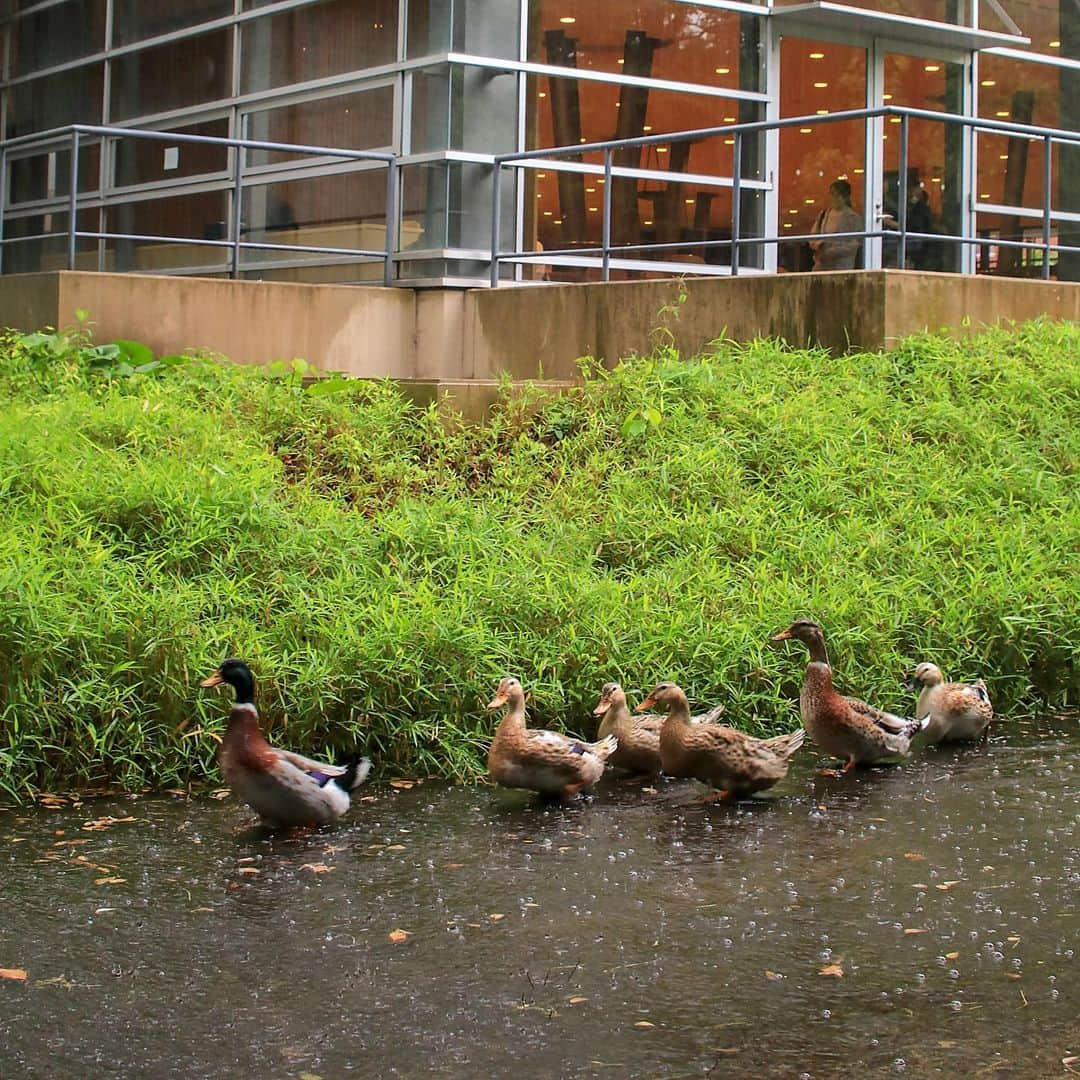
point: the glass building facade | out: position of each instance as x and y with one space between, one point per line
446 84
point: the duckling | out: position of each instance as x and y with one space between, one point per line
543 761
840 725
730 760
957 711
638 736
281 787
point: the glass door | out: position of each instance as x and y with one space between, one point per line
818 78
935 154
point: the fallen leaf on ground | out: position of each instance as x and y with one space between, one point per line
496 916
403 785
833 970
398 936
773 976
945 886
453 865
100 824
644 1025
578 1000
395 847
317 867
13 973
109 881
952 956
914 856
248 870
913 930
221 793
920 885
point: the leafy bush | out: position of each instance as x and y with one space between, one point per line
381 568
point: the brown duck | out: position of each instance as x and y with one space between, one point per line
731 761
543 761
844 726
638 736
956 711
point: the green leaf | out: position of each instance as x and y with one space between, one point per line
135 352
329 386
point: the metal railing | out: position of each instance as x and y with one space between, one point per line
605 253
78 137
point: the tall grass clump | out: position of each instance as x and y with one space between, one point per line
381 568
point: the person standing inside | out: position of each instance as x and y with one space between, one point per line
840 217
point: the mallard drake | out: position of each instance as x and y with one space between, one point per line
735 763
957 711
638 736
543 761
282 787
840 725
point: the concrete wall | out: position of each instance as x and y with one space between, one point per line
433 336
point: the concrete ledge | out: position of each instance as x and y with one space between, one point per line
452 337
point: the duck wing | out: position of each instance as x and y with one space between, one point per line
319 770
887 721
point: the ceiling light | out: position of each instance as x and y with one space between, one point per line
787 225
729 142
648 221
805 131
823 112
539 195
809 202
793 211
1002 112
689 201
1003 157
988 82
541 175
541 94
594 209
547 213
986 195
894 119
646 127
589 190
723 71
817 56
620 61
858 172
557 221
820 85
568 19
1053 44
661 149
931 67
886 97
582 139
601 180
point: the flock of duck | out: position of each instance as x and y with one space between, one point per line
289 789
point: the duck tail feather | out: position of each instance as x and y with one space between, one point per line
356 772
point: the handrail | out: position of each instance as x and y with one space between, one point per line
76 136
738 132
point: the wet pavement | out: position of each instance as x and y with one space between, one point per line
915 921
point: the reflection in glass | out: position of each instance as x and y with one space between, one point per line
136 20
57 35
70 97
478 27
316 41
360 121
146 161
193 71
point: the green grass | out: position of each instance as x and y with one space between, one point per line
381 570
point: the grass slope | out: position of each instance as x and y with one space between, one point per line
380 572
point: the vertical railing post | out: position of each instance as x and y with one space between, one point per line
605 224
391 221
3 201
1048 181
736 203
902 194
73 198
237 210
496 223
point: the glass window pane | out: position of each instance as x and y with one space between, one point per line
484 108
1049 26
136 20
47 175
199 216
359 121
70 97
146 161
430 120
345 211
660 39
190 72
316 41
57 35
479 27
